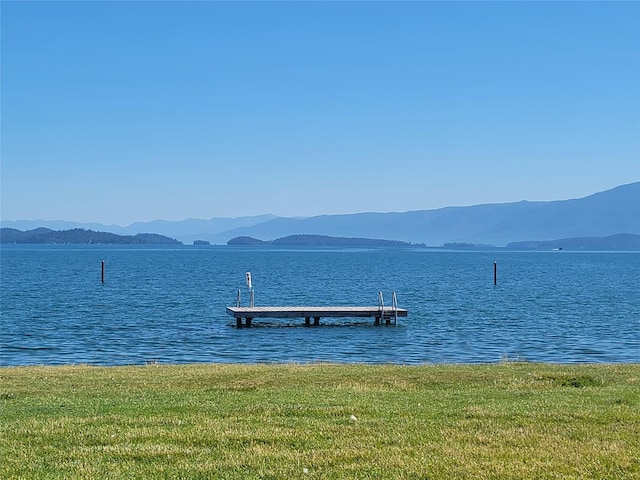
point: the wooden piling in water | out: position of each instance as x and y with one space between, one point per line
102 271
495 273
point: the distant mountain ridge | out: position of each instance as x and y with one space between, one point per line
603 214
184 230
599 215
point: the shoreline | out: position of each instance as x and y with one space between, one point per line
328 363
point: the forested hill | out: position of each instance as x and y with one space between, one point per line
81 236
320 241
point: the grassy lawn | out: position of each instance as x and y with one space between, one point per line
511 420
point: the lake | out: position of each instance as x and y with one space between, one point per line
167 305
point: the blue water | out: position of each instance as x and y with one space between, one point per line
167 305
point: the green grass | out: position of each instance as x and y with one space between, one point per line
511 420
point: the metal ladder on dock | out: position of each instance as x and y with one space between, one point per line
251 299
394 308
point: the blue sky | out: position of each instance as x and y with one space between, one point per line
117 112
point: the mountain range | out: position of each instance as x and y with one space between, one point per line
602 214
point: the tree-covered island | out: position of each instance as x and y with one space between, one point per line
81 236
319 241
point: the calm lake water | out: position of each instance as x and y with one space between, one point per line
167 305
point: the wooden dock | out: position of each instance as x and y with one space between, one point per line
386 314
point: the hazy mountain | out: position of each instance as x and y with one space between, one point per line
194 229
599 215
27 225
602 214
184 230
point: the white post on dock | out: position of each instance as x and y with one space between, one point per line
250 287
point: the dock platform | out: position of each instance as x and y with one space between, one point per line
386 314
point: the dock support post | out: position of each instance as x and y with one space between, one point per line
239 322
307 321
248 321
495 273
377 321
316 321
102 271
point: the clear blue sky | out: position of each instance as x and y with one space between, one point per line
117 112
